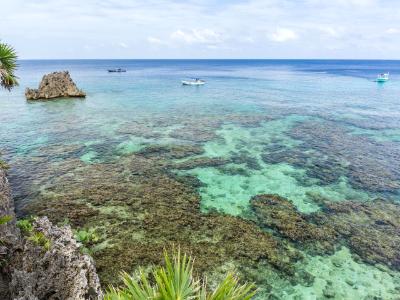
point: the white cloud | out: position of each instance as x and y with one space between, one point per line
239 28
155 41
283 35
393 31
197 36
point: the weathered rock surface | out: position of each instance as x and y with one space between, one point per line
29 271
9 235
60 273
55 85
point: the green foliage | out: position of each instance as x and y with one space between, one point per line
40 239
5 219
27 229
88 238
25 225
4 165
175 281
8 66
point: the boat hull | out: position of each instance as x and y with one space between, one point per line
192 83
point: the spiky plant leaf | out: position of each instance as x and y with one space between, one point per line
176 281
230 289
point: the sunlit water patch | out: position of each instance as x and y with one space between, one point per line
230 188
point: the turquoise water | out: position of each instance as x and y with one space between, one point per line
304 130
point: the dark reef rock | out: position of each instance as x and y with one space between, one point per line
370 165
200 162
170 151
282 216
330 152
55 85
371 229
31 271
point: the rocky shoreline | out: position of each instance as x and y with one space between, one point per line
31 270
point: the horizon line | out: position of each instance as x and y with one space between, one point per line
357 59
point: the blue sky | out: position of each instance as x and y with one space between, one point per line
202 28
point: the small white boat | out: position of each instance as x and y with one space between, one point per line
196 81
382 77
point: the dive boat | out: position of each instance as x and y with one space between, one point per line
196 81
119 70
382 77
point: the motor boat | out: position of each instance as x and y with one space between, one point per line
382 77
119 70
196 81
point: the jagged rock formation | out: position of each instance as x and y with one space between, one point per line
55 85
30 271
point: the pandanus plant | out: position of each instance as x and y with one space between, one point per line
175 281
8 65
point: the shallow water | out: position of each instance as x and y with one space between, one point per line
310 131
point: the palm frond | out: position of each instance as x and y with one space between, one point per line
8 66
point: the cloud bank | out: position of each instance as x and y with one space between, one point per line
202 28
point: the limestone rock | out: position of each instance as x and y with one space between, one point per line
28 271
62 272
55 85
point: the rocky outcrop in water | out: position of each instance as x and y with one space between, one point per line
44 263
55 85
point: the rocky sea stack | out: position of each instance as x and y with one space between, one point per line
55 85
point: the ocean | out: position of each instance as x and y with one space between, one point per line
286 171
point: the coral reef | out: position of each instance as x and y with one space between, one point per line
55 85
329 152
139 208
281 215
370 230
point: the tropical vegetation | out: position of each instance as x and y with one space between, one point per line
8 66
175 281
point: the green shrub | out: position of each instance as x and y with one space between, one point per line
88 238
176 281
4 165
25 225
5 219
40 239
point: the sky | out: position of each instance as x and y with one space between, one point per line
338 29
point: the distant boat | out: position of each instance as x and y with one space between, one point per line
382 77
119 70
196 81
